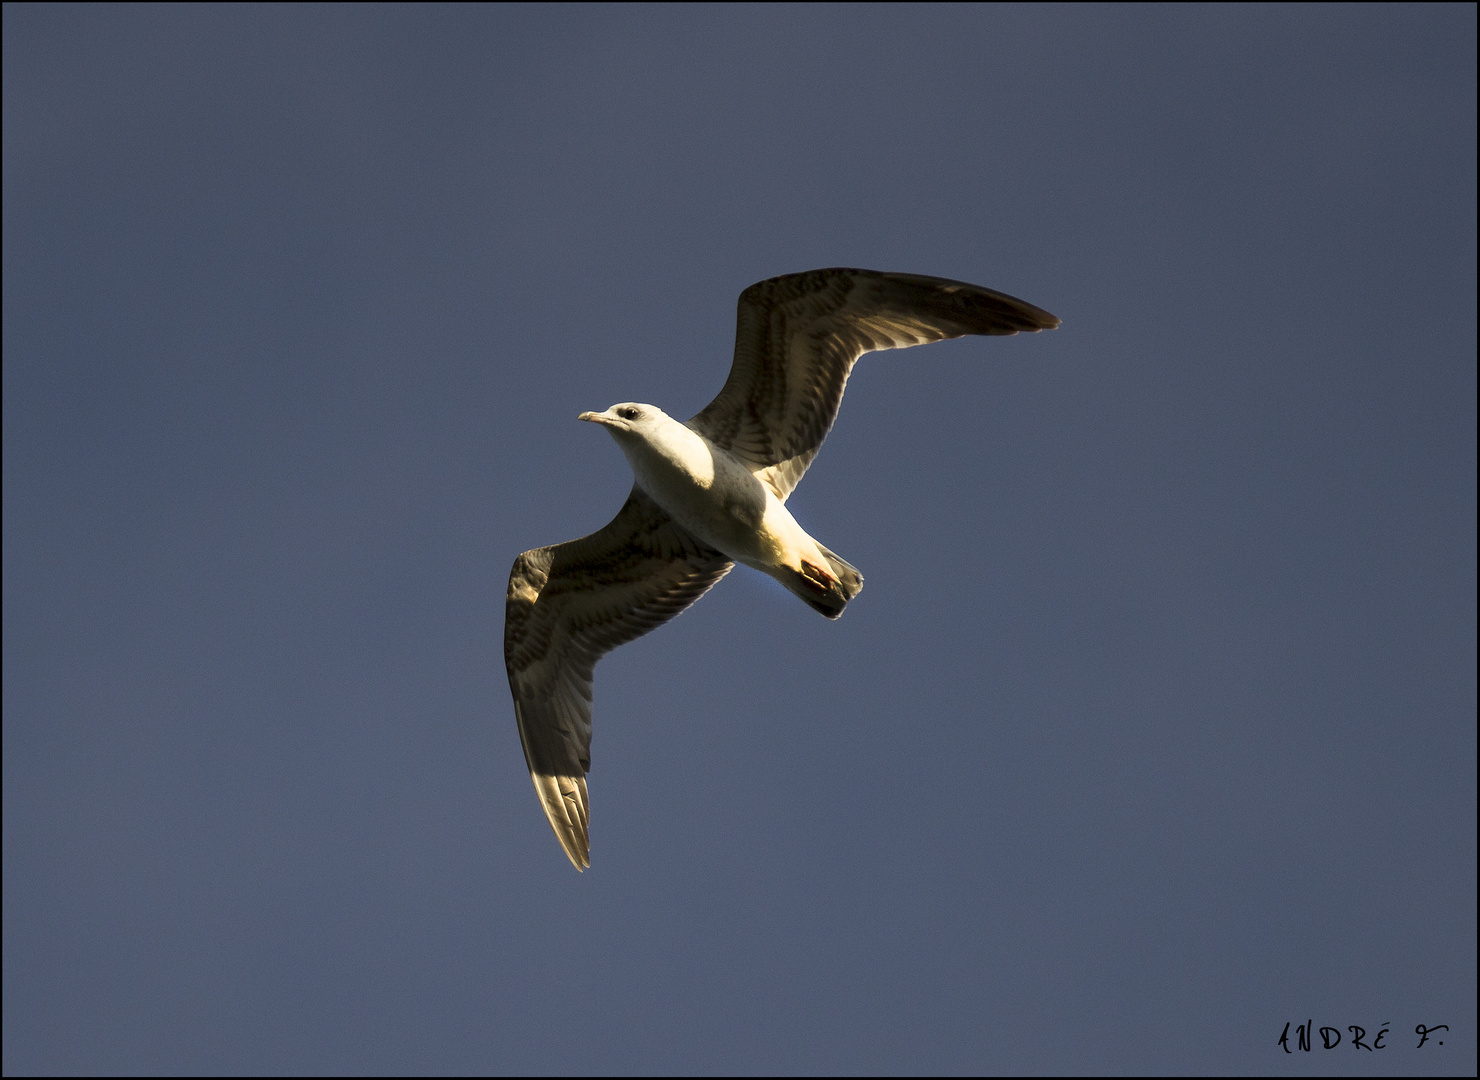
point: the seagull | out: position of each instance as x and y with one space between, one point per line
710 492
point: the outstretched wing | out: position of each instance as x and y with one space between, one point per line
568 606
797 337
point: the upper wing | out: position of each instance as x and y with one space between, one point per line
797 337
570 604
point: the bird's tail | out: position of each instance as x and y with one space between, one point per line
828 597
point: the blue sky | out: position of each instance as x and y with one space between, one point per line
1152 731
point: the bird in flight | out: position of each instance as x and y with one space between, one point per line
710 492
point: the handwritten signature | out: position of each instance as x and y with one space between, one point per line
1331 1037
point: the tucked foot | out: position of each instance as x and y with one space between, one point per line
820 576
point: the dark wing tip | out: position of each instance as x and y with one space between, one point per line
977 309
974 308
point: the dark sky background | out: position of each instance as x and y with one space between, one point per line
1152 731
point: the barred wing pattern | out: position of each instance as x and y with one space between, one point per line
797 338
570 604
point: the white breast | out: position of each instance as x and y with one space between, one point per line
709 492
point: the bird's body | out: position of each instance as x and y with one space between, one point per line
717 497
712 492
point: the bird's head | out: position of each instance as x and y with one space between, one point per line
628 418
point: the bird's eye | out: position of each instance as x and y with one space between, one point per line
628 413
